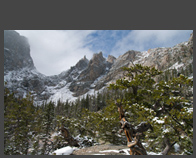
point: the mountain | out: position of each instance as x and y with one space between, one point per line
16 52
87 76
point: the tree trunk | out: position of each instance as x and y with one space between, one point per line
129 132
67 136
168 146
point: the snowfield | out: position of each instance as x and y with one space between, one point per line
63 94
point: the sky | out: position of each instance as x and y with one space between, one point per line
55 51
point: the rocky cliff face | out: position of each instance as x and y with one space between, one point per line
20 73
165 58
87 76
16 52
96 67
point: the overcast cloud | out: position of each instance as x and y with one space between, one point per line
57 50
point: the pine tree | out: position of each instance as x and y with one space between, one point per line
37 132
18 123
47 127
165 105
190 68
87 105
98 101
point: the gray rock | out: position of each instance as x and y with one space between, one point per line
16 52
111 59
98 150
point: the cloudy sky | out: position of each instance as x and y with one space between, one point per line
54 51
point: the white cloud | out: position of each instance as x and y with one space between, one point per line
54 51
142 40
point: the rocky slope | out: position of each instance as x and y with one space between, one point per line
87 76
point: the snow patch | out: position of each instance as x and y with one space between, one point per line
189 110
165 131
96 81
116 151
153 153
158 121
177 147
63 151
126 151
63 94
141 57
176 66
6 49
145 54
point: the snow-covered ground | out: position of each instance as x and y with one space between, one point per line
63 94
64 151
116 151
69 150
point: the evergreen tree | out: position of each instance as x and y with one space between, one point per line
18 123
164 105
47 127
37 132
191 68
98 101
87 102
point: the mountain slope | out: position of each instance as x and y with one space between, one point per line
87 76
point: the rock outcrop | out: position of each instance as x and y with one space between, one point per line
111 59
96 67
16 52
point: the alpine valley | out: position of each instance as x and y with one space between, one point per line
88 76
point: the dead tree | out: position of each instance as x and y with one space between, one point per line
67 136
132 133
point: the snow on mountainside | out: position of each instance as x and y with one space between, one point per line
87 76
63 93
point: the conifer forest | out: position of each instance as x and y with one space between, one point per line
146 96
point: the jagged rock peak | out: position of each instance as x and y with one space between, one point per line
191 39
129 55
190 43
82 63
98 56
111 59
95 68
16 51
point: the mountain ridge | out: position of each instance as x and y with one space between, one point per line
87 76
